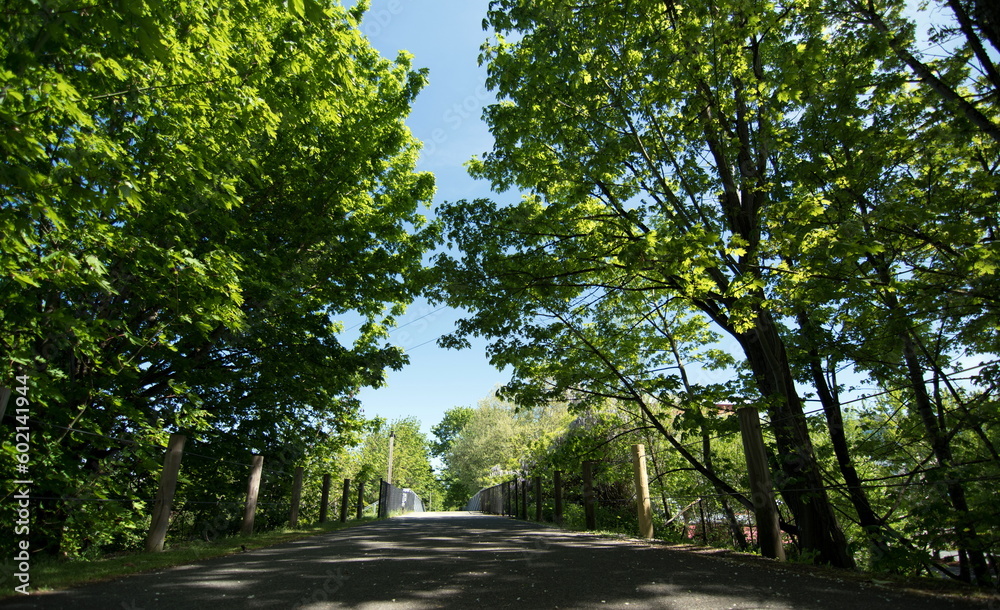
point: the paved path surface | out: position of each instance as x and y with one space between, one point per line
463 560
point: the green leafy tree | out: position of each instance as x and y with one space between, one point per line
191 196
644 135
898 253
411 466
497 441
752 166
450 427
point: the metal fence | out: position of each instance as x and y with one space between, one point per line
394 500
497 500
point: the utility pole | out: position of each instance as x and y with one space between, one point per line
392 441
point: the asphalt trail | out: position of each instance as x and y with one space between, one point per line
464 560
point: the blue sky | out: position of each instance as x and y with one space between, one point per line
443 36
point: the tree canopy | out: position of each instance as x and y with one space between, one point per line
192 195
767 172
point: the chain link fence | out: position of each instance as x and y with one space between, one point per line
394 500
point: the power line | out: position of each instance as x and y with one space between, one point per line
410 349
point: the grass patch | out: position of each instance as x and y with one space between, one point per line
53 574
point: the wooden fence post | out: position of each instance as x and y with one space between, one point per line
524 498
643 505
538 498
588 495
253 487
344 499
761 492
361 498
4 397
293 517
324 499
557 493
165 494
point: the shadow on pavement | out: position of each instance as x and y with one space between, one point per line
464 560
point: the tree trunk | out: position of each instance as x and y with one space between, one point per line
799 479
873 526
964 524
970 550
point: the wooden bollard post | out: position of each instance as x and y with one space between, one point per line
4 397
557 494
643 506
165 494
588 495
253 487
344 499
538 498
324 499
293 516
761 492
361 499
